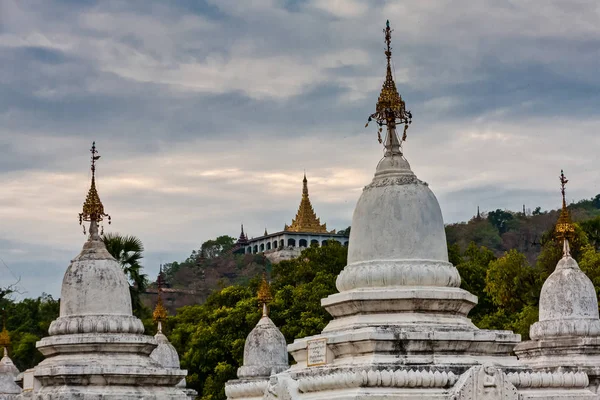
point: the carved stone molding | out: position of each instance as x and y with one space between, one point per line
484 382
96 324
564 327
236 390
386 273
407 179
400 378
523 380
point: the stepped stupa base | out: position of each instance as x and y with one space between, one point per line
109 393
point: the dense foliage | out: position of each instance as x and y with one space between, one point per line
210 337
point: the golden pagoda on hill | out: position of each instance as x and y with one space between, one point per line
305 230
306 220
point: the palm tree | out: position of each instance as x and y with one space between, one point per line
127 250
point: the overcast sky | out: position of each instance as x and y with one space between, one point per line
207 112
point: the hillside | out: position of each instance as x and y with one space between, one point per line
214 266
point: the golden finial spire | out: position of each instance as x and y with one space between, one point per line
564 227
390 109
4 335
93 209
264 295
160 312
306 220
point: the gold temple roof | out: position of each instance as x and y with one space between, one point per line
306 220
564 226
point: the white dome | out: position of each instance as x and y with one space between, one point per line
568 303
165 354
8 373
95 294
397 236
265 351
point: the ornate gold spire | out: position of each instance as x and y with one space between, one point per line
160 312
390 109
306 220
264 295
564 227
4 335
93 210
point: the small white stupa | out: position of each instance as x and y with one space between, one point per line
9 390
265 354
400 328
96 348
165 353
567 335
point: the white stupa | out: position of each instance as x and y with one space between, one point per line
567 335
265 354
400 328
165 353
96 348
9 390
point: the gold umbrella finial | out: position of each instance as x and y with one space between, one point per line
93 209
264 295
4 334
160 313
565 229
390 109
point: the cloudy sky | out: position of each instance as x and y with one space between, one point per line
206 113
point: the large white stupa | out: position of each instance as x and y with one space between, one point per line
96 349
400 328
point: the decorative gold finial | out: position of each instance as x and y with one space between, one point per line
93 209
390 109
264 295
4 335
160 312
564 227
306 219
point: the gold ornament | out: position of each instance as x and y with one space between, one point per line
93 209
564 227
390 109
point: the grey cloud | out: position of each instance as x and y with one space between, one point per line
206 113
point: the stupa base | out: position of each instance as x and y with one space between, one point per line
109 393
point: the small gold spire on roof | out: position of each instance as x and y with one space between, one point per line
390 109
306 220
160 312
4 334
93 209
264 295
564 227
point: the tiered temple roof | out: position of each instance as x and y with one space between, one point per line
306 219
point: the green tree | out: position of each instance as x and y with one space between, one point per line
473 268
511 282
215 247
127 250
591 227
499 219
